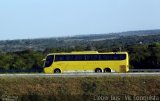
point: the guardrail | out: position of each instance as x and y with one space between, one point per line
22 71
144 70
41 70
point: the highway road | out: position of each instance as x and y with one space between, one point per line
82 74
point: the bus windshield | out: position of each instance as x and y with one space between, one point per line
49 60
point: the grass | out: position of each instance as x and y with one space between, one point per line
77 88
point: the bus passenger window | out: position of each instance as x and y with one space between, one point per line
60 58
115 57
92 57
104 57
79 57
122 56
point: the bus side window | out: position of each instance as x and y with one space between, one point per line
104 57
67 57
70 58
115 57
79 57
92 57
88 57
60 58
122 56
119 56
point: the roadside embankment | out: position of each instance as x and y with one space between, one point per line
79 88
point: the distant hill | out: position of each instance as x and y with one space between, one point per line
91 40
116 35
140 32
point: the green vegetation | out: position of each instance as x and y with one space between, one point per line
143 48
95 41
144 52
21 60
141 56
79 89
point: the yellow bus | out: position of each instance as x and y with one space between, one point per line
86 61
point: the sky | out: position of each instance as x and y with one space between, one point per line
25 19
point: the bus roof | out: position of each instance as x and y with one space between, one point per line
87 52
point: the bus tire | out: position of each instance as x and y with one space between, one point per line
98 70
107 70
57 70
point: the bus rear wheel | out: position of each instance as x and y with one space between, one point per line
57 70
98 70
107 70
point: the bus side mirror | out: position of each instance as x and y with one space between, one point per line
44 60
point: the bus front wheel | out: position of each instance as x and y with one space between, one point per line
57 70
98 70
107 70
